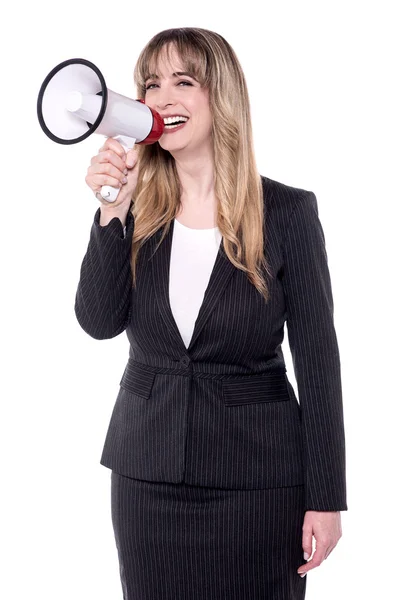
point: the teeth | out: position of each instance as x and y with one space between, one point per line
173 126
169 120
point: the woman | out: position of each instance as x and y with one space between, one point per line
220 478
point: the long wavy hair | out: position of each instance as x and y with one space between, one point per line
237 183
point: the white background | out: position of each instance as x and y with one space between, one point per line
323 82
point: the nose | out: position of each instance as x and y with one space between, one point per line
161 104
164 98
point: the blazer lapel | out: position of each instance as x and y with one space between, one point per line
160 264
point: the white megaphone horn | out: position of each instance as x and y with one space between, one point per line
74 102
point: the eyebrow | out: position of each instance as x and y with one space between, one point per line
176 74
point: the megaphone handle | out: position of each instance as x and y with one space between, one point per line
108 192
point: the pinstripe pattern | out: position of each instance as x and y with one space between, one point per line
103 298
222 412
177 541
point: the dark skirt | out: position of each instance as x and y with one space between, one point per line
184 542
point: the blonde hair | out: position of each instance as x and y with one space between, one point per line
237 183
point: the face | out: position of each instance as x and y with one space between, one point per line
180 95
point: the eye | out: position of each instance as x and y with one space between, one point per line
151 84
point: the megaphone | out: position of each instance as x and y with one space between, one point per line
74 102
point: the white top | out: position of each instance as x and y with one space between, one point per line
193 254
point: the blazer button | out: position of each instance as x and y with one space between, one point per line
184 361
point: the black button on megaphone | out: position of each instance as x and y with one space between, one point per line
74 102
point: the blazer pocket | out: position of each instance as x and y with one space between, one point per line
137 380
254 389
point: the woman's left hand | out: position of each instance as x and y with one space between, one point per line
326 527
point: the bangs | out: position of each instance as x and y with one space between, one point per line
193 60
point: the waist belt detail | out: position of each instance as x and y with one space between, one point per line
189 370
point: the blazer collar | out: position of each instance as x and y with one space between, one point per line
160 264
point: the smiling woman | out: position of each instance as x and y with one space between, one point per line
219 476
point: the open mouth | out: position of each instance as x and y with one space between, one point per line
171 124
174 125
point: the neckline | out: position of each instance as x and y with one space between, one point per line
191 228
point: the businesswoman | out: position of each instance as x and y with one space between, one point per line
220 477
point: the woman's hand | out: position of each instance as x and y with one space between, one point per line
109 167
326 527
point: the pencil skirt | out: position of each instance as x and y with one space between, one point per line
185 542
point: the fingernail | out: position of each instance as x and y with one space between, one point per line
304 574
124 180
126 171
306 556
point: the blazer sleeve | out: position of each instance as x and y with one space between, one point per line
315 355
103 301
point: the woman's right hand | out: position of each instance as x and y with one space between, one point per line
109 167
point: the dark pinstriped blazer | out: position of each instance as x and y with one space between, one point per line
222 412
